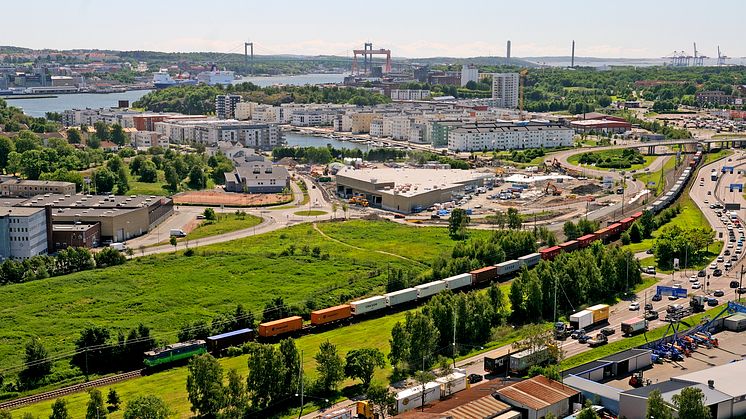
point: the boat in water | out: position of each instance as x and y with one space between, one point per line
162 80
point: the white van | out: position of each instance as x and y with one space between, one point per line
177 232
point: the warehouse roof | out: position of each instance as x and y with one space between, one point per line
92 201
538 392
18 211
410 181
590 366
728 378
628 354
602 390
485 407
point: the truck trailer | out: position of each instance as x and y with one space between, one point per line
634 325
522 361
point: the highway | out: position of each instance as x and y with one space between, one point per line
620 311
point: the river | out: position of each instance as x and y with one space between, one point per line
304 140
37 107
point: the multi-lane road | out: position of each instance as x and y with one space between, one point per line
620 311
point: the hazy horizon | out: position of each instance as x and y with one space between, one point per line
414 29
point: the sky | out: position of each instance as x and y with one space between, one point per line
410 28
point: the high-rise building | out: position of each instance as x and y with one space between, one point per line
505 89
469 72
225 106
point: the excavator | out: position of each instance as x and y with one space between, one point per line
555 190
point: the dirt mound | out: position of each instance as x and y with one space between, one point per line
589 189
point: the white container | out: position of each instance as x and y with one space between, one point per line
581 319
530 259
368 305
458 281
430 289
509 266
400 297
411 398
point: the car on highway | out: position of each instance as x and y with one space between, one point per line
694 278
719 259
696 286
634 306
578 333
608 331
713 265
706 201
727 252
741 290
734 258
648 307
718 293
474 378
584 338
734 284
717 272
728 265
702 273
657 297
672 298
651 315
712 302
739 250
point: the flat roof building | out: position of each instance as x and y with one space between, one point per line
28 188
406 190
257 177
23 232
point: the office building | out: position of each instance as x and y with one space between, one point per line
76 235
23 232
469 72
257 177
225 106
508 136
505 89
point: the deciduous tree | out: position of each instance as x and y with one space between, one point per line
205 385
330 366
147 407
361 364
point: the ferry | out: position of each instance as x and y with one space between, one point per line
162 79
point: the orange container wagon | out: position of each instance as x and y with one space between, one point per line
331 314
280 327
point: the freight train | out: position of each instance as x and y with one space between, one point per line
381 304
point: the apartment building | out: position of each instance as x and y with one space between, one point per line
27 188
505 89
225 106
147 139
248 133
409 94
257 177
469 72
508 136
23 232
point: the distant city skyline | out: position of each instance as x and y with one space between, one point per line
630 29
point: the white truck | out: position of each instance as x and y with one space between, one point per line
634 325
581 319
177 232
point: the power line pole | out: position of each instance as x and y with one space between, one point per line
300 374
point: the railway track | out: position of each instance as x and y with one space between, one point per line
23 401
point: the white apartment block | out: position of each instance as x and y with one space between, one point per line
312 118
505 89
77 117
23 232
343 122
469 72
508 136
409 94
376 128
400 126
147 139
250 134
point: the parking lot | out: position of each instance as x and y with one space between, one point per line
732 347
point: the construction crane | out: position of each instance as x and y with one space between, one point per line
721 58
698 59
521 82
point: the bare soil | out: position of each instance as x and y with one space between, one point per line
217 197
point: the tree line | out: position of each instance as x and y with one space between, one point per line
139 407
66 261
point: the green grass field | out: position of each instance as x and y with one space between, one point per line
575 160
225 223
652 180
711 157
167 290
309 213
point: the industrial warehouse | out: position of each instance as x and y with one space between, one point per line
407 190
118 218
